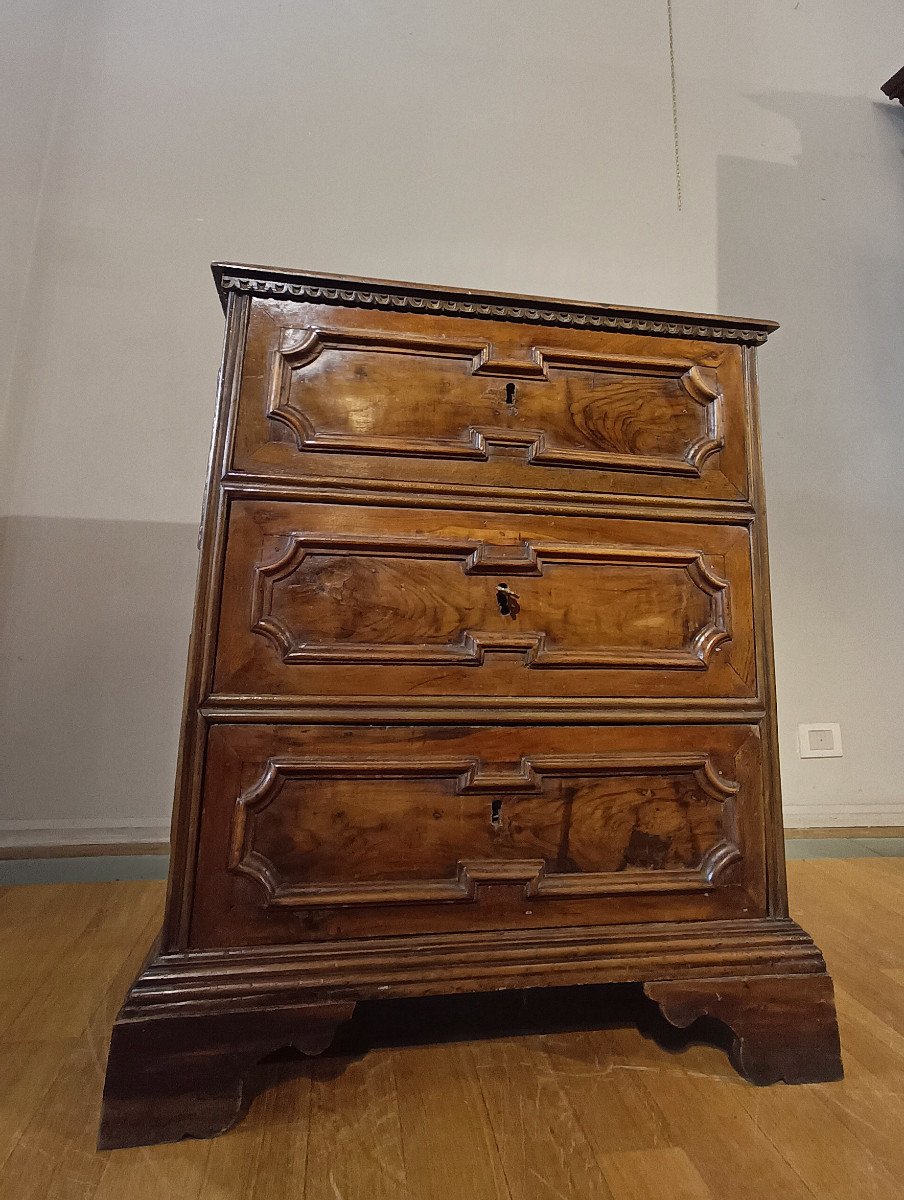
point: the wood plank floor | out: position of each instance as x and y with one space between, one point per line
554 1097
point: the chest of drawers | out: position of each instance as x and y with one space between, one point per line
480 688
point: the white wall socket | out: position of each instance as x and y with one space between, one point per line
819 741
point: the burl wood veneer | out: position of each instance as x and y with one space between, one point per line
480 688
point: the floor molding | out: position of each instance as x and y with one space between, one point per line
89 850
847 831
98 868
71 836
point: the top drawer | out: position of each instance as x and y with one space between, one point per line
328 391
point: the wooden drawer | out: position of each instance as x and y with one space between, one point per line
349 601
381 396
322 832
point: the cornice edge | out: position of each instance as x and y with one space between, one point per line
479 305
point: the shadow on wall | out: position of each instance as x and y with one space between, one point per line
818 244
97 614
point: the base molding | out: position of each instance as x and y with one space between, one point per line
432 964
195 1022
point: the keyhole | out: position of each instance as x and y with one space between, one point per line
496 813
510 393
507 601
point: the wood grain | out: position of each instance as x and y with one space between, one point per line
355 1143
545 1152
390 602
451 1150
644 1174
519 544
405 1120
464 400
341 830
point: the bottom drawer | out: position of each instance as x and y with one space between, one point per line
323 831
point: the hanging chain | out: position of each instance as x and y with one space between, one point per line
674 105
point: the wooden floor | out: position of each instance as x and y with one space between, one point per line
557 1111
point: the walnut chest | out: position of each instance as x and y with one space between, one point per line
480 689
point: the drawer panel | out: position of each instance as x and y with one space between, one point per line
322 832
342 600
370 395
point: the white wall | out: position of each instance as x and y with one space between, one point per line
32 44
524 146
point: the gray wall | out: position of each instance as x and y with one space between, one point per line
521 146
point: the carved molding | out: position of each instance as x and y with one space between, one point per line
471 776
550 502
287 709
478 558
299 348
499 309
399 965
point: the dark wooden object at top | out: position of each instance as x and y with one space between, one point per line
894 87
480 687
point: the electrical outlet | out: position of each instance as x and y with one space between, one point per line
819 741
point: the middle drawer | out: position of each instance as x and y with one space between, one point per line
339 600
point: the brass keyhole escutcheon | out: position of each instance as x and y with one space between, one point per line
507 601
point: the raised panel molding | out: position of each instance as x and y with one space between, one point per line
470 777
299 348
480 559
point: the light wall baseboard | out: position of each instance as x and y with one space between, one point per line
72 850
79 837
884 815
847 831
